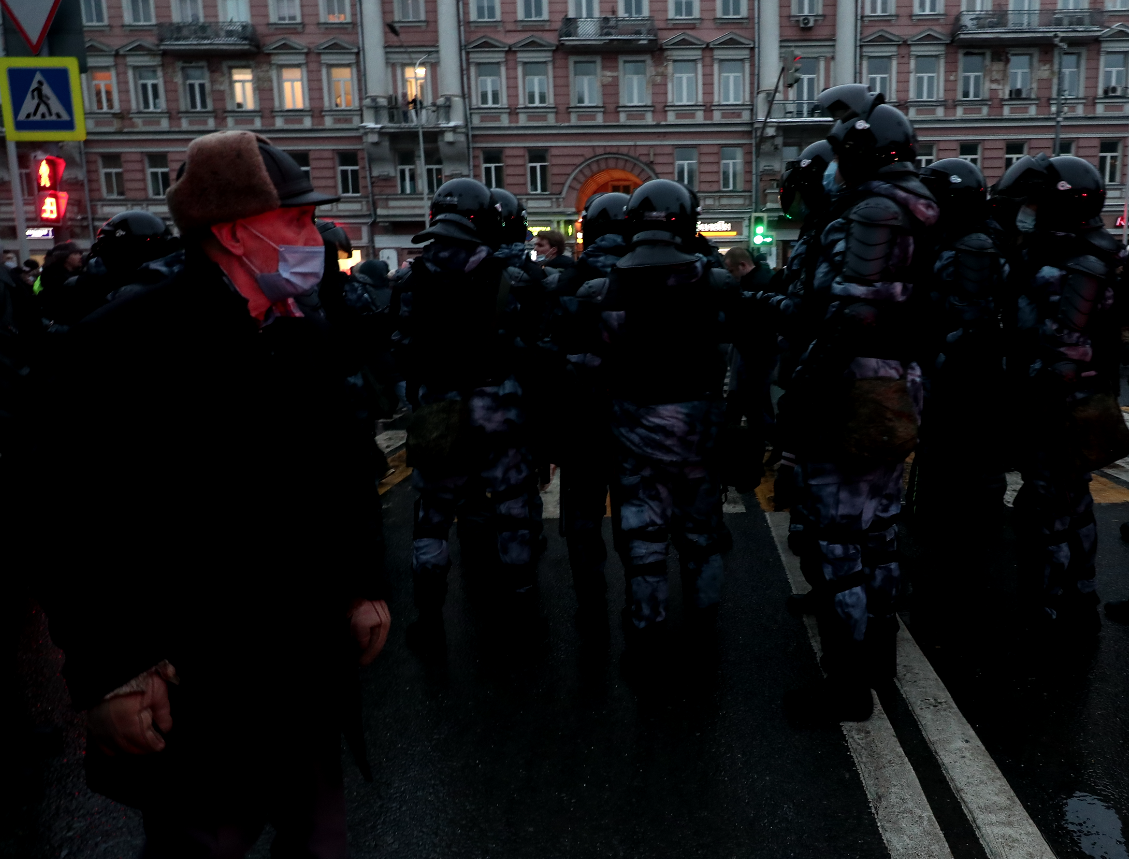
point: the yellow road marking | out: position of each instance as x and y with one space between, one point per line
400 470
1107 492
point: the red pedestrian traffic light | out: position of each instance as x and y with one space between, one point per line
52 206
50 202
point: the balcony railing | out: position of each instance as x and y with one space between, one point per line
1011 23
798 110
197 36
404 115
615 33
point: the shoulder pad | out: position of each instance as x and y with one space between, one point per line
1102 240
1087 264
977 243
593 290
721 278
910 183
880 211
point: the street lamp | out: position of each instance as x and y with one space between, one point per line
418 75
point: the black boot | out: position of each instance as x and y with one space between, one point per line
844 694
880 650
426 634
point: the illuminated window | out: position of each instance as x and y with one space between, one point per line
415 83
243 89
157 166
102 84
336 11
538 171
287 11
686 167
493 169
93 12
293 90
196 87
732 159
341 79
113 184
140 11
348 174
148 88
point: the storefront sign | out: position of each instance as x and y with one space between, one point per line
40 232
716 229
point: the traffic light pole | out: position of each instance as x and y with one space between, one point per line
18 200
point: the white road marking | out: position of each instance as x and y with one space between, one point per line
551 498
391 439
904 817
733 502
1014 481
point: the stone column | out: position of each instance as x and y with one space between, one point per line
846 42
450 69
768 52
377 84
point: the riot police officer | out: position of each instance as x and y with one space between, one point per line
860 370
1064 364
664 371
580 430
963 367
458 349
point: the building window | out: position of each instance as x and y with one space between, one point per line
732 159
341 82
731 9
243 89
157 166
102 84
1068 75
410 10
406 172
1066 147
586 8
879 7
970 152
489 84
685 82
532 10
1013 152
927 7
1108 164
196 87
113 184
1022 13
806 87
585 84
336 11
686 167
302 159
287 11
414 84
925 78
974 5
538 169
93 12
634 8
187 11
536 83
1117 5
731 74
972 76
293 89
434 177
493 169
1019 76
682 9
1113 73
140 11
634 90
485 10
348 174
878 74
235 10
925 155
148 89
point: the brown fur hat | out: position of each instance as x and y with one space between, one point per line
224 179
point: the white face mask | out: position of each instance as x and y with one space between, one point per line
831 178
300 269
1025 220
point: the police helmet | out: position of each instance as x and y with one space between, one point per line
515 224
1023 180
957 185
334 234
130 239
1073 196
848 100
803 179
604 214
463 210
865 146
663 210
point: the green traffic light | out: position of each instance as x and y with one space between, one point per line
758 239
760 229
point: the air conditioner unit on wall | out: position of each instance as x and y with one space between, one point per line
806 22
1112 90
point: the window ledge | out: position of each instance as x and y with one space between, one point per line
927 16
795 19
684 22
731 106
336 25
725 22
536 108
971 102
695 106
149 114
535 24
295 26
890 17
635 107
281 111
493 23
927 102
152 25
86 26
585 108
414 22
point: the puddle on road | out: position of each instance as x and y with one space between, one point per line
1095 826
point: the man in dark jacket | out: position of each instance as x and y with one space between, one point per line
230 539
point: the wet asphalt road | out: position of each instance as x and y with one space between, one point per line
528 741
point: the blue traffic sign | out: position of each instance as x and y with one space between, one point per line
41 98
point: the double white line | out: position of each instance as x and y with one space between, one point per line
904 817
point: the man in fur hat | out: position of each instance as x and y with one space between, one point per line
229 502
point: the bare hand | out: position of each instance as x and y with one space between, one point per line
369 621
125 723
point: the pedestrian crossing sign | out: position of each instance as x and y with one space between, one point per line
41 98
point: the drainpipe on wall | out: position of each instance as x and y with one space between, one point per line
364 107
464 88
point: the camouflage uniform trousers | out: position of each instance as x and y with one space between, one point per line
1058 534
493 486
665 489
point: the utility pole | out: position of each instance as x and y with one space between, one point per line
1058 94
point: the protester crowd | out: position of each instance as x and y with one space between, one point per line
206 403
